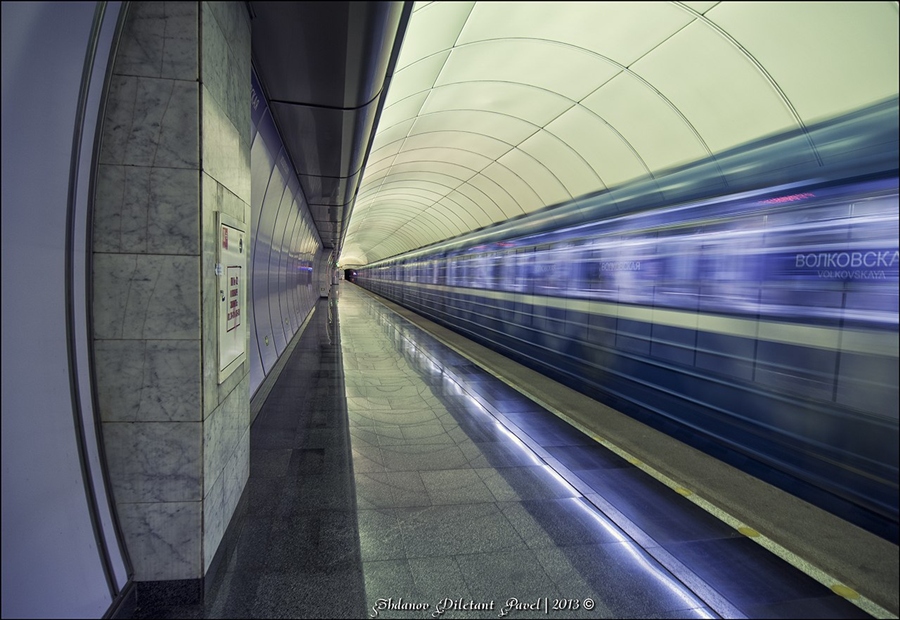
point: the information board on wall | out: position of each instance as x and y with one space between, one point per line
231 271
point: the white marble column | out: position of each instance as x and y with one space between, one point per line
175 151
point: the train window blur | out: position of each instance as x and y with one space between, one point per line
829 259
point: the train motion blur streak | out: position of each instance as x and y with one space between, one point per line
748 305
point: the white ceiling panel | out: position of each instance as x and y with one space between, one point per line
827 57
416 186
521 101
419 76
419 228
495 200
373 178
621 31
487 146
466 208
647 121
466 159
376 168
570 71
500 126
402 110
402 209
428 194
725 96
563 162
384 152
607 152
432 225
510 191
700 7
446 168
501 108
535 174
443 180
393 133
437 26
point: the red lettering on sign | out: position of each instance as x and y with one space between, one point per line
234 313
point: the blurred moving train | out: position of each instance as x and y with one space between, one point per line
746 304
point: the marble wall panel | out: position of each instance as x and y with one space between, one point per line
214 520
226 156
147 210
234 206
218 60
235 476
226 36
152 122
237 470
223 429
154 461
233 20
163 539
148 380
160 40
146 297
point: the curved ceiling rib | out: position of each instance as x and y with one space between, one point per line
501 108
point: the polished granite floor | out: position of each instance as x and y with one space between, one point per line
393 478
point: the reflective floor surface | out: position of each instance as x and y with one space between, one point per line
393 478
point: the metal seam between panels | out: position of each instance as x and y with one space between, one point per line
69 278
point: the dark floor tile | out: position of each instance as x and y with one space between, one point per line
188 612
311 438
499 454
463 407
236 596
264 495
823 607
759 578
659 511
322 492
317 461
551 431
269 463
576 458
251 553
272 438
479 429
340 594
313 541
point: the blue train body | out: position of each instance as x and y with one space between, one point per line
747 305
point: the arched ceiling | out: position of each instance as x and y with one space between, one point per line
497 109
